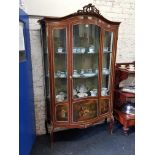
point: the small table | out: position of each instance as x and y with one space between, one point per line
126 120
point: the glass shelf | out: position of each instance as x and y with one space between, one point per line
61 53
85 53
84 76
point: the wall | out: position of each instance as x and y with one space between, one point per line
54 7
116 10
38 81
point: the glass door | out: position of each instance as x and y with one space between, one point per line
86 41
60 65
106 63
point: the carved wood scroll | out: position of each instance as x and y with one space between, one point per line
89 9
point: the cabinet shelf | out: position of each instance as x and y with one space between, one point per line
84 76
126 94
125 70
78 53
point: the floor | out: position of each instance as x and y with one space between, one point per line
94 140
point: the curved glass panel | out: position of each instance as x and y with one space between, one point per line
86 40
60 64
106 62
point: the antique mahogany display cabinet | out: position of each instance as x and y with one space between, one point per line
79 60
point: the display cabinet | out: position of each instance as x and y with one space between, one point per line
79 60
124 95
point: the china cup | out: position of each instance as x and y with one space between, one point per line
60 49
82 71
83 50
96 70
91 49
90 71
75 72
74 50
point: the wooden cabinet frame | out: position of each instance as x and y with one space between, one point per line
89 15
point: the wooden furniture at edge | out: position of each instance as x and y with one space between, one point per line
79 57
121 97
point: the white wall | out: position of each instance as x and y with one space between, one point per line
54 7
115 10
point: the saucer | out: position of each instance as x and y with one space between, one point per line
76 75
89 74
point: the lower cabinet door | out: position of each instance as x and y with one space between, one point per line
62 112
84 110
104 106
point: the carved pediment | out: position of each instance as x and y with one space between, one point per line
89 9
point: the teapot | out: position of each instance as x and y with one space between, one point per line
104 91
82 89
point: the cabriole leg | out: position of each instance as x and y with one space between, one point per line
111 124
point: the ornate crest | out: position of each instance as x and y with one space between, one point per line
89 9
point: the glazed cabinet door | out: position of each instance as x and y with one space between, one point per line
85 51
60 76
106 72
106 63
